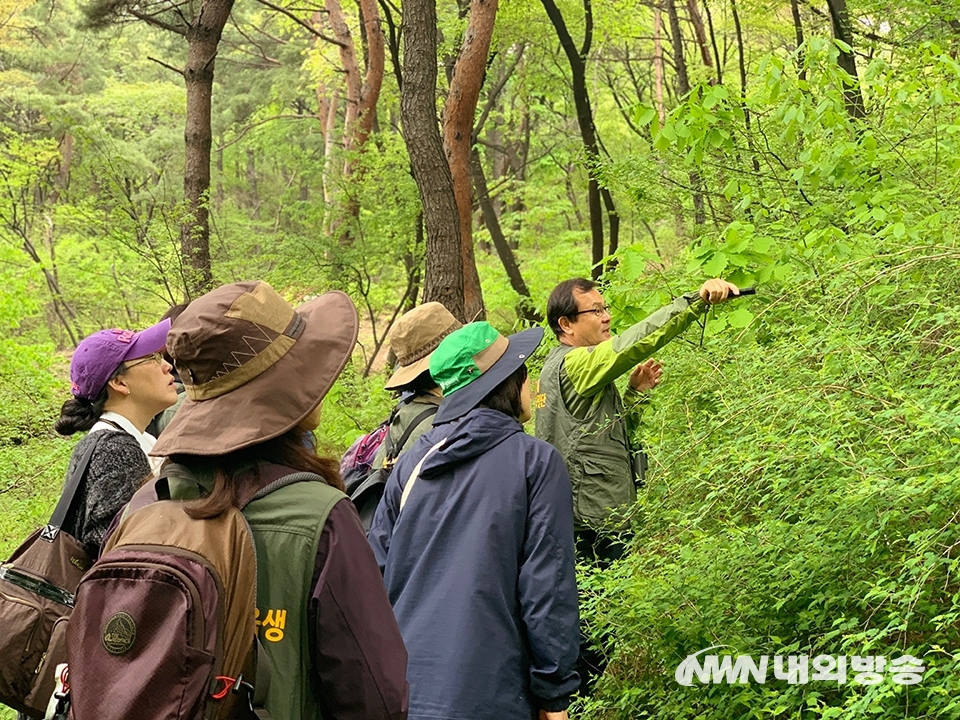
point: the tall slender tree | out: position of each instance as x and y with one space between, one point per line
201 25
443 277
458 114
840 20
577 57
363 92
683 87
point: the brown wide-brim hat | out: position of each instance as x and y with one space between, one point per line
414 338
252 366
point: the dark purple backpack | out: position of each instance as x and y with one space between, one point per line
366 489
358 460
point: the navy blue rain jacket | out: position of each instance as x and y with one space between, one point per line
479 568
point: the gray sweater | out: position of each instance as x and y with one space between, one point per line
117 468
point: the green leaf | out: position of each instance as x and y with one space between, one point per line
715 265
643 115
740 318
762 244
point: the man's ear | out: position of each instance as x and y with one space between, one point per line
566 324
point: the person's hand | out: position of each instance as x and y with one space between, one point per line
716 291
646 375
562 715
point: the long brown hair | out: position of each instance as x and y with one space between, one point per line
232 474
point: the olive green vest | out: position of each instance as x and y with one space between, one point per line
286 527
596 449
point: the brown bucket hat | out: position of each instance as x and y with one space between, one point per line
252 366
416 335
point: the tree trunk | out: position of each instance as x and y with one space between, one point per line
588 134
443 277
329 108
220 193
840 19
658 65
527 309
713 43
393 41
328 105
373 79
458 114
202 38
253 197
700 32
351 71
412 266
680 64
798 31
743 83
683 88
362 95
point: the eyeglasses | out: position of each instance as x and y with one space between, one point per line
598 311
155 357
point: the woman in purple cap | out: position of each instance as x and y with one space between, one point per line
119 381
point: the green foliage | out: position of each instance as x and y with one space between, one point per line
805 479
804 459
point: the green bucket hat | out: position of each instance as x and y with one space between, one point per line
471 362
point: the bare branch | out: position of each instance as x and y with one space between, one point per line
495 92
302 23
251 126
260 51
153 20
168 67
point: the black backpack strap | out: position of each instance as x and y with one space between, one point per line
261 684
389 421
392 450
70 496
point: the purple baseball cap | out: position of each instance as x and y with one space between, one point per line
99 355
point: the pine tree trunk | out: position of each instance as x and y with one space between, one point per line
443 277
203 37
458 114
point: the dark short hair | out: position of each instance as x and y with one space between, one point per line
174 312
562 303
422 383
505 397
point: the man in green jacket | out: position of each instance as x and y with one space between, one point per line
581 412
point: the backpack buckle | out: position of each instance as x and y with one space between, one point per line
231 685
228 684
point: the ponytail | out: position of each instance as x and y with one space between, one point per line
79 414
